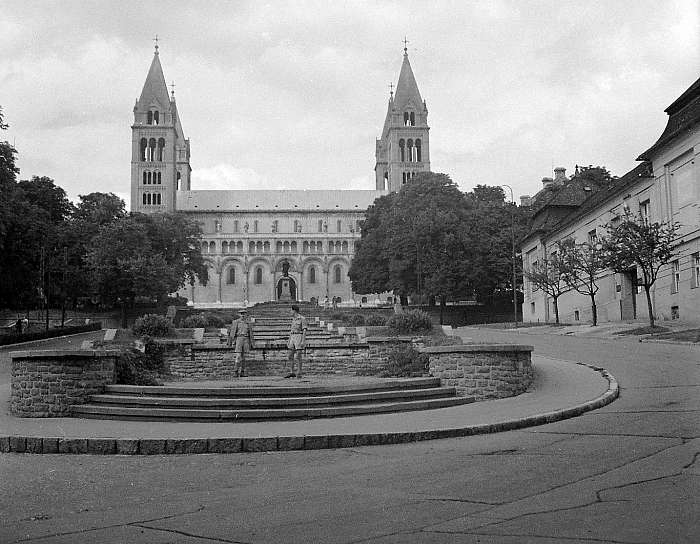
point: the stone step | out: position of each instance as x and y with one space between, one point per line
164 414
251 390
269 402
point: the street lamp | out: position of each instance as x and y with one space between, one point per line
512 239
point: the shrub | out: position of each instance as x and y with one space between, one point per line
141 368
153 325
375 320
338 316
213 320
356 320
194 321
409 322
406 361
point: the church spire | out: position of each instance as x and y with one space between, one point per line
407 89
154 88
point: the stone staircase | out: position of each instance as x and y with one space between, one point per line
246 401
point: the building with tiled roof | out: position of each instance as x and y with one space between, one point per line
266 245
664 187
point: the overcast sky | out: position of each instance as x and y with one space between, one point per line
293 94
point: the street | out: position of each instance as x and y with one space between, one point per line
627 473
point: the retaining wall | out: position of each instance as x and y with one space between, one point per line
46 383
483 371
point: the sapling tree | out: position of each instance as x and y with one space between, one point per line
635 242
581 264
547 275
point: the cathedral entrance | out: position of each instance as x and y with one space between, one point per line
286 289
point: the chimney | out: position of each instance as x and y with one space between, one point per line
560 175
546 182
525 200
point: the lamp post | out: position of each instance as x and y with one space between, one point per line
512 240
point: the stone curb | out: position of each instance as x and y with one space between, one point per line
164 446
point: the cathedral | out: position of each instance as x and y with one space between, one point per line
264 245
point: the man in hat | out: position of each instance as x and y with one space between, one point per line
240 336
297 341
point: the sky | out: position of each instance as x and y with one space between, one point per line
293 94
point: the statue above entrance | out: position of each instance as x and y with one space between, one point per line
285 268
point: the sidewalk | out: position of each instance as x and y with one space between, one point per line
562 389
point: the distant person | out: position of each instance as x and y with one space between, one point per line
297 341
326 302
18 326
240 336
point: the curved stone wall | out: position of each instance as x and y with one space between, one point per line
483 371
46 383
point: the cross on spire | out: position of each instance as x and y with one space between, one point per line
155 41
391 89
172 90
405 45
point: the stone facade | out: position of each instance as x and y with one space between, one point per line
483 371
249 235
46 383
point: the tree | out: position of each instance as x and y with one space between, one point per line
580 265
637 243
145 256
547 275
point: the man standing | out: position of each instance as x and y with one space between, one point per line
297 340
240 335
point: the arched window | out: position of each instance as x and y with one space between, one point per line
305 247
345 247
144 197
179 178
156 117
403 178
151 150
402 154
413 119
158 199
142 146
161 147
149 118
409 146
231 277
278 247
239 246
364 299
212 247
330 247
258 247
224 247
266 247
338 247
319 247
205 247
159 178
337 271
418 154
251 247
258 275
405 119
293 247
312 274
144 178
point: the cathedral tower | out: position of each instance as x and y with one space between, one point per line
403 149
160 154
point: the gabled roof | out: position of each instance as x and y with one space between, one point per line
407 88
276 200
682 114
154 88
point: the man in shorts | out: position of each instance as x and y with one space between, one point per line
297 341
240 336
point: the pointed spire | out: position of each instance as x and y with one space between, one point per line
407 88
154 88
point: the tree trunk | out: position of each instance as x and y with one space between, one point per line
556 310
594 311
651 310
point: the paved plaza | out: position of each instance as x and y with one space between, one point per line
627 473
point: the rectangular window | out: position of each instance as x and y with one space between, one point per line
695 259
532 307
235 226
577 315
676 276
644 210
255 226
339 224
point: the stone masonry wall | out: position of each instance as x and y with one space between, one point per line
483 371
46 383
